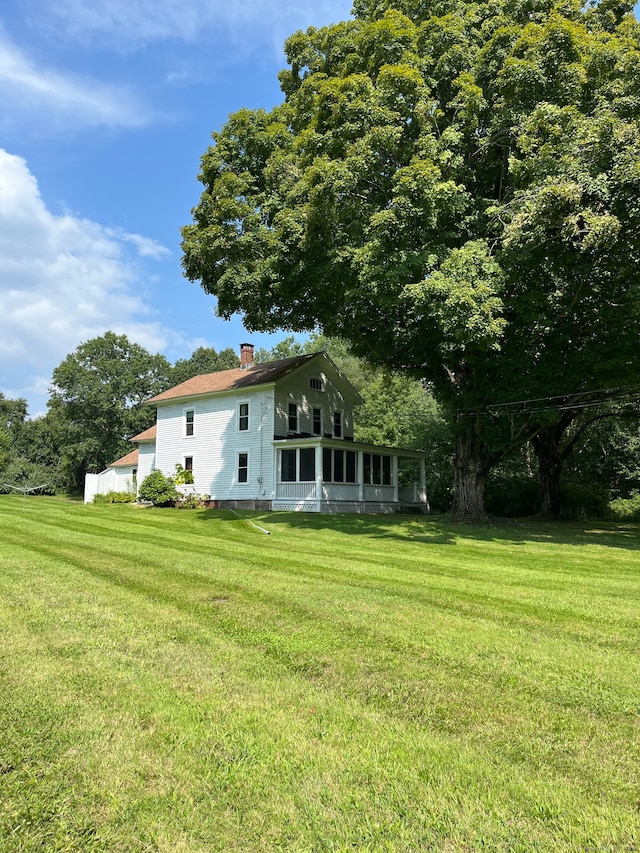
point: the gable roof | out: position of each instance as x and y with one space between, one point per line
126 461
147 434
236 378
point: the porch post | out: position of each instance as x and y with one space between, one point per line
361 477
319 477
276 459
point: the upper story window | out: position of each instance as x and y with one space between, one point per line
243 416
292 421
337 424
189 421
316 383
317 422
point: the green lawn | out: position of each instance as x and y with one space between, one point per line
179 681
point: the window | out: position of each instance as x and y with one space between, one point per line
338 466
293 418
376 469
243 467
189 421
317 422
316 384
288 466
134 476
188 463
307 464
337 424
243 417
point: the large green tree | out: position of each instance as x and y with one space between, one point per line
453 188
96 401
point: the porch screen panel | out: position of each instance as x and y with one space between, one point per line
338 466
307 464
386 470
326 465
366 466
350 466
288 473
376 474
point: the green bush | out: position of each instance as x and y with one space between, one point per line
626 509
115 498
580 501
158 489
191 502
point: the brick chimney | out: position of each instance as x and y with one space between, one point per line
246 356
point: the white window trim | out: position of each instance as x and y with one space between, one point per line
319 409
239 452
184 421
333 423
297 429
246 403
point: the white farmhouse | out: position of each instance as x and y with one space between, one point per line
277 435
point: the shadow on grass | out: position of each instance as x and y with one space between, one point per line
442 530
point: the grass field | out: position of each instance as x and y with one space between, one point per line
179 681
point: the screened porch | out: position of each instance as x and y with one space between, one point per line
333 475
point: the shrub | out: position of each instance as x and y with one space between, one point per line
158 489
192 502
115 498
626 509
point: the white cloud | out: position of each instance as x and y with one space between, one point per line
140 21
63 280
27 89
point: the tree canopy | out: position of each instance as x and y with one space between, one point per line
96 400
454 189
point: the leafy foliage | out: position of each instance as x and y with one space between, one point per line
97 398
453 189
158 489
114 498
182 476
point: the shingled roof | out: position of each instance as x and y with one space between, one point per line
126 461
146 435
230 380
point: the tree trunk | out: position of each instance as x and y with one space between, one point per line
471 469
547 448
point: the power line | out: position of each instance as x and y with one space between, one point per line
564 402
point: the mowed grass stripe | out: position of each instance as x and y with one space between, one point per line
287 714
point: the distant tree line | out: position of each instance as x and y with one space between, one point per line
96 405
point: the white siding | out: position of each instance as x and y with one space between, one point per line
217 441
146 460
109 480
333 398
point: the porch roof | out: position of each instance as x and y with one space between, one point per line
346 444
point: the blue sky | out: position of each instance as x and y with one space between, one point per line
105 110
